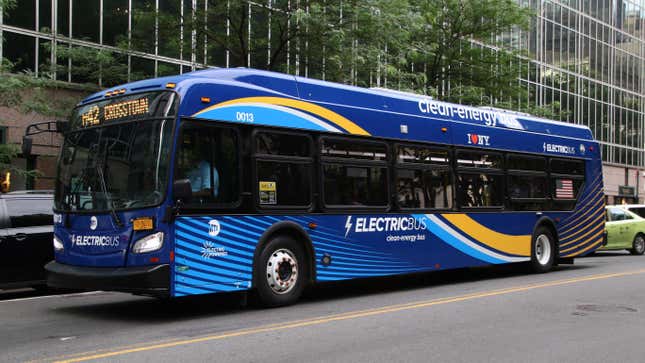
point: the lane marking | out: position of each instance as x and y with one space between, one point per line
52 296
350 315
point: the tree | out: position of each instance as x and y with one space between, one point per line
360 42
458 45
89 65
208 25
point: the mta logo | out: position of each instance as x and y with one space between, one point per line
213 227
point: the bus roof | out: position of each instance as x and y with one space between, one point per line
266 83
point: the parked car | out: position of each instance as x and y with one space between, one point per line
635 208
625 230
26 233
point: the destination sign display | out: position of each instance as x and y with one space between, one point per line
115 111
122 109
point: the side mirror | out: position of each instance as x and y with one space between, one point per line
181 189
61 126
26 146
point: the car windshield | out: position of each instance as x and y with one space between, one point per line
123 166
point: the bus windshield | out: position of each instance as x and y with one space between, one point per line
119 166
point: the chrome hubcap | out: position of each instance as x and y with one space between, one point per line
542 249
639 244
282 271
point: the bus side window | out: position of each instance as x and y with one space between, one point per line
567 180
283 163
423 179
480 180
208 157
354 172
480 190
527 182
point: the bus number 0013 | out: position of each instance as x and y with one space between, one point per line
244 116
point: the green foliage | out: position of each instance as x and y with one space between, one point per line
94 66
28 93
7 5
7 153
453 50
419 45
443 41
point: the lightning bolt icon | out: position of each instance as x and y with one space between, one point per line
348 225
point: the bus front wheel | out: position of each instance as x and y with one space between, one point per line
542 250
281 272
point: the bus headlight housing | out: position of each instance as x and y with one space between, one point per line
149 243
58 245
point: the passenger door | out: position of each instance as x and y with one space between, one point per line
28 237
614 216
630 228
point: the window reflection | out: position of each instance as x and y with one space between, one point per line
480 190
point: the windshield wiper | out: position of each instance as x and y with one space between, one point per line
99 170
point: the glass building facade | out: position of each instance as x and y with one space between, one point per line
586 57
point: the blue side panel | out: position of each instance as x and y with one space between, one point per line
582 231
209 260
215 254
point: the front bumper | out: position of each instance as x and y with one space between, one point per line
145 280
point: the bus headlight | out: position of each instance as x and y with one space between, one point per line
58 245
149 243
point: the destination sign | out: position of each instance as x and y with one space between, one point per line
115 111
125 108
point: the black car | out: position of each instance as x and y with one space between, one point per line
26 234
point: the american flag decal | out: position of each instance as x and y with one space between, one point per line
564 189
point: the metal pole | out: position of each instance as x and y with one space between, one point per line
228 32
269 35
1 33
193 37
69 60
129 39
181 37
248 40
156 36
54 21
36 39
205 32
100 40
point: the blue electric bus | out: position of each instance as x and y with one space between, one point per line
236 179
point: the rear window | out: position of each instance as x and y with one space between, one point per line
30 212
638 210
562 166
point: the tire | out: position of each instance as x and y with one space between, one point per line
281 272
638 246
542 250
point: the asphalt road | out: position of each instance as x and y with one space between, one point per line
593 311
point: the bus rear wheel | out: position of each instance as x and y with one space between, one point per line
281 272
542 250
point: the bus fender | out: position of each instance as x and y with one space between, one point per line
298 233
549 223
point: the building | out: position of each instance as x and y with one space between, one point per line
586 56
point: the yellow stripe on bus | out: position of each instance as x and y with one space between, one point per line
596 220
515 245
591 238
326 114
599 241
598 205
